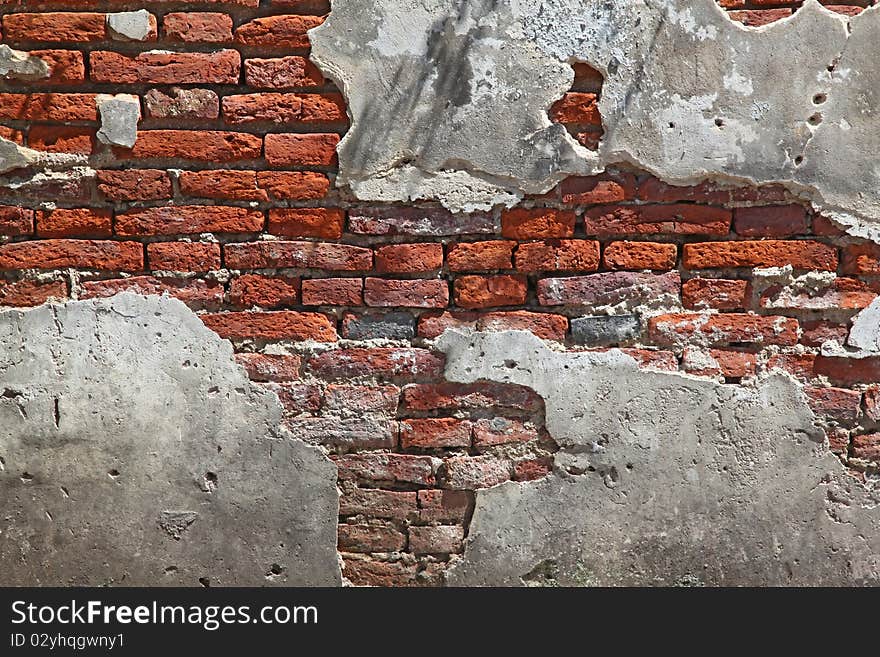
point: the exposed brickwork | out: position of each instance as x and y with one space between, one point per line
226 202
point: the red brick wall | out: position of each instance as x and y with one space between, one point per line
226 202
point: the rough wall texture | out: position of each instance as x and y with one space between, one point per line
227 201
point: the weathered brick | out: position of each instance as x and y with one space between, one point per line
726 362
531 469
474 472
834 403
502 431
82 254
524 224
285 108
134 184
158 67
770 221
301 150
558 255
640 255
844 370
861 259
409 258
15 221
718 293
184 256
253 290
799 365
196 145
373 503
865 446
282 73
370 538
444 505
379 325
576 107
307 222
283 32
480 256
431 433
333 292
188 220
346 433
197 294
48 107
605 330
72 27
800 254
490 291
419 293
270 367
361 399
844 293
683 328
62 139
381 362
419 222
31 293
473 396
379 467
198 27
277 325
296 399
439 539
545 325
367 571
607 188
607 288
178 103
679 219
300 255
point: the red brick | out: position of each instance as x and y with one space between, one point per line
707 193
867 447
843 370
730 363
799 365
368 571
664 361
71 27
307 222
198 27
293 185
283 32
834 403
861 259
474 396
800 254
16 221
134 184
370 538
838 440
437 539
531 469
384 293
361 399
197 294
220 67
480 256
772 221
843 293
545 325
490 291
82 254
607 288
278 325
718 293
31 293
816 332
66 67
251 290
824 226
558 255
282 73
444 505
758 18
301 150
222 184
577 108
409 258
301 255
80 222
502 431
296 399
683 328
179 103
381 362
196 145
188 220
270 367
392 505
419 222
333 292
430 433
872 402
640 255
48 107
377 467
474 472
62 139
284 108
677 219
607 188
524 224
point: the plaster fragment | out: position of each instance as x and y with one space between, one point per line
18 65
130 25
119 119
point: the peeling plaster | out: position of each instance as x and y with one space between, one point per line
18 65
161 465
119 119
130 25
654 467
689 96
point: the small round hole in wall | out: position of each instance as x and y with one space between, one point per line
818 99
815 119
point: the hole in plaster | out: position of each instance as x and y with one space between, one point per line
210 482
816 119
719 123
204 581
799 160
2 464
818 99
27 477
113 474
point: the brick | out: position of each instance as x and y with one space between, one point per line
301 255
474 472
196 145
370 538
663 361
372 503
558 255
772 221
79 222
502 431
301 150
380 362
839 293
759 18
843 370
188 220
729 363
197 294
409 258
605 330
177 103
524 224
640 255
676 219
82 254
825 227
307 222
384 293
296 399
66 67
62 139
444 505
432 433
346 433
262 186
277 325
838 440
544 325
134 184
872 402
158 67
253 290
286 108
362 571
800 254
707 193
379 326
799 365
471 396
440 539
865 446
184 256
607 188
490 291
222 184
270 367
683 328
834 403
718 293
26 292
861 259
283 32
480 256
282 73
333 292
608 288
48 107
15 221
578 108
70 27
378 467
361 399
419 222
816 332
293 185
531 469
198 27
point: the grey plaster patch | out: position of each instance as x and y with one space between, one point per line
130 25
119 119
15 156
18 65
136 452
663 479
865 332
603 330
689 95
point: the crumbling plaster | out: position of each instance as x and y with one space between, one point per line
156 465
663 478
689 96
